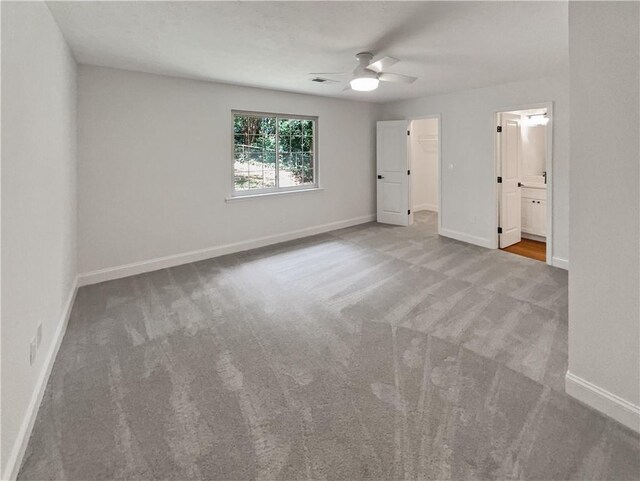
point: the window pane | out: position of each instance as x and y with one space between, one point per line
269 160
268 126
239 124
295 169
307 135
254 167
296 152
307 168
285 171
284 127
258 157
307 127
307 143
284 143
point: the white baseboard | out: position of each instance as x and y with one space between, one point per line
539 238
24 434
471 239
430 207
602 400
560 262
149 265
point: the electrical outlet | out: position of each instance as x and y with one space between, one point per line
39 335
33 349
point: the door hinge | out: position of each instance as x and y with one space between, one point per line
408 172
499 180
409 212
499 230
499 129
408 132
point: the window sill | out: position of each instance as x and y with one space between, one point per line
271 194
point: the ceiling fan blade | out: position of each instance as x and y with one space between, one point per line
329 73
395 77
382 64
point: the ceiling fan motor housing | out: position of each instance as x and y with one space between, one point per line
364 59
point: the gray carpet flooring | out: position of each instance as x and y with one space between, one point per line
373 352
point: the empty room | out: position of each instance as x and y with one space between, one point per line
320 240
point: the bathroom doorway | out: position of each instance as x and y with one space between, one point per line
523 164
424 169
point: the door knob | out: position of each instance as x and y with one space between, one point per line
380 177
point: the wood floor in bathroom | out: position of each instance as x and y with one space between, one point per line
529 248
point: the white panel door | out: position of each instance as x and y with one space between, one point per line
392 143
510 195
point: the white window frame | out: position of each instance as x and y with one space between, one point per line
276 189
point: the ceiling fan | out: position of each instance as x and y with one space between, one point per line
367 75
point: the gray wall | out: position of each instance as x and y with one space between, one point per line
604 285
38 206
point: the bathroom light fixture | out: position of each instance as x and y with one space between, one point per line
537 119
364 84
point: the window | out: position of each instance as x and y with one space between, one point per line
273 152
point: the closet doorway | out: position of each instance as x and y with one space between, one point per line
523 165
425 168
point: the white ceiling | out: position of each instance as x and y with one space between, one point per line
449 46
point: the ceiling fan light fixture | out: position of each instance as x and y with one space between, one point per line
364 84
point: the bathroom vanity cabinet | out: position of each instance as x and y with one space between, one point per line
534 211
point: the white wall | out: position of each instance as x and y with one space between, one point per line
38 207
424 164
604 285
155 168
467 137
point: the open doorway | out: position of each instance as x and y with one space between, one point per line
424 162
523 157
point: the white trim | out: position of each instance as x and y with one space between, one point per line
431 207
560 262
20 446
134 268
274 193
604 401
471 239
535 237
